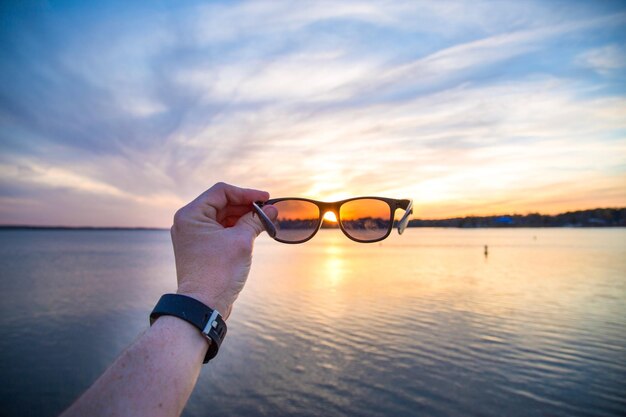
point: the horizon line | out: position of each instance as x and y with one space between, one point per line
147 228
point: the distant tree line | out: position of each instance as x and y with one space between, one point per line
602 217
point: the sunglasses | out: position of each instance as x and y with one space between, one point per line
362 219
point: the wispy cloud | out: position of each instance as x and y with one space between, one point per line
468 107
606 60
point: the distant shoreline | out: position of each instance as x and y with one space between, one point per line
104 228
595 218
156 229
600 218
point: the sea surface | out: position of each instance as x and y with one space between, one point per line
423 324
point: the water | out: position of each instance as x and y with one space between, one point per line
422 324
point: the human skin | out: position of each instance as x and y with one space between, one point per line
213 238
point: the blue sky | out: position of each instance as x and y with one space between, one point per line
117 113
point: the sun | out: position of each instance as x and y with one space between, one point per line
330 216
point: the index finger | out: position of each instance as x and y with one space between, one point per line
222 195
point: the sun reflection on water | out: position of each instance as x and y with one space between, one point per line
334 263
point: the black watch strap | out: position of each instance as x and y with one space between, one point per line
207 320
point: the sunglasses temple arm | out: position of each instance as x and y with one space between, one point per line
405 219
267 223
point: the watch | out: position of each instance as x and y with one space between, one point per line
208 321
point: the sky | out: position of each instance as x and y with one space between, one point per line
118 113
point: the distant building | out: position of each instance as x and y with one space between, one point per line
504 221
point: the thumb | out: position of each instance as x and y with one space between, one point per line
253 223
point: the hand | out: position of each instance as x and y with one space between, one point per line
213 238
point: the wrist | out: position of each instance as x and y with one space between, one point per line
206 320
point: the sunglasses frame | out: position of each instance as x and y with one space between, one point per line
334 207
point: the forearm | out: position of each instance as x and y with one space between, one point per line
153 377
213 238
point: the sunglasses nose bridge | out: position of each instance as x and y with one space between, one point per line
326 208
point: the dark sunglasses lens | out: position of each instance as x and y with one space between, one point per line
297 220
365 219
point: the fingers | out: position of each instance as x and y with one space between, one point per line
232 212
271 211
222 195
253 224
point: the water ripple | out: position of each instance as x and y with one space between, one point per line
420 325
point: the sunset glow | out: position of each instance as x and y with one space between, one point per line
468 108
330 216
